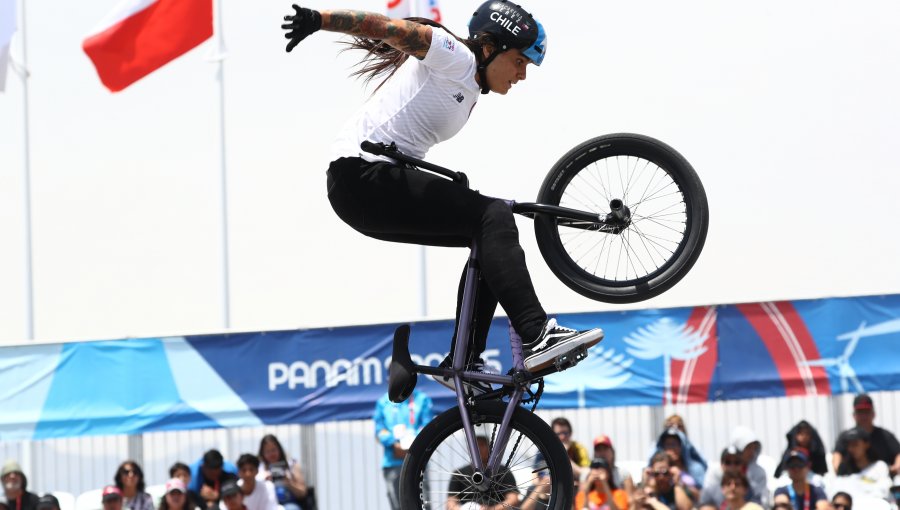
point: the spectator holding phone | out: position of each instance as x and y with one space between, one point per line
599 490
665 479
285 474
603 447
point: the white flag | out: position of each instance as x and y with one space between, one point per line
7 29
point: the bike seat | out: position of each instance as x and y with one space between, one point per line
402 376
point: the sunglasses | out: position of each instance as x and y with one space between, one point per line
660 473
129 472
796 466
841 506
565 433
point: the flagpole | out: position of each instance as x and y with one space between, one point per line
29 277
219 58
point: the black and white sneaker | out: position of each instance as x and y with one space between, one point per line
555 341
476 388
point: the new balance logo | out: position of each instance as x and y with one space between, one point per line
459 97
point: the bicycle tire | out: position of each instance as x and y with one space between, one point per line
440 449
644 159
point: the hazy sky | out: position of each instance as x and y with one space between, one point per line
789 112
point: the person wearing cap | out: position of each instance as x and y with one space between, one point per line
691 473
258 494
603 448
111 498
731 461
860 470
176 497
48 502
883 443
232 497
804 435
15 486
208 474
182 471
599 489
801 494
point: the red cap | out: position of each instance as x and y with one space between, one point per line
862 402
111 492
602 439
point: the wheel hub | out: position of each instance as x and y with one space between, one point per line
619 217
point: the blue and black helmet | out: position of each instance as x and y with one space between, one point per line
512 26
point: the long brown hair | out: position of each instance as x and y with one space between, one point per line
382 59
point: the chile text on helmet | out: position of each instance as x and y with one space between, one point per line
506 23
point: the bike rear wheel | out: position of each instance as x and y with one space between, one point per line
440 450
664 203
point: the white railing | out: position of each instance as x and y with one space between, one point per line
342 459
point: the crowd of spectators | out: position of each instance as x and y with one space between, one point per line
265 480
864 473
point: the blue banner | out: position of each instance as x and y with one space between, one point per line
648 357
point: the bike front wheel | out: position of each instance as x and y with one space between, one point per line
535 466
659 215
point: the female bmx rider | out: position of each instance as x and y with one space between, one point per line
422 101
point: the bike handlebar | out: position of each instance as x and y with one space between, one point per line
569 217
391 151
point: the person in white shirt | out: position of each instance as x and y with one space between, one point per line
258 494
423 101
860 472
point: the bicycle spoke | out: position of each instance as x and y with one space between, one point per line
658 218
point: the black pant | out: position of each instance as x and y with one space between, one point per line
400 204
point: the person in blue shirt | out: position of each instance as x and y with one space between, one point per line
395 427
208 474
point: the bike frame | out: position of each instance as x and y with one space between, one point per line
516 384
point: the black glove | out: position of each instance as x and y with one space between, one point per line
300 25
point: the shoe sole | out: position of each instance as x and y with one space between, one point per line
548 357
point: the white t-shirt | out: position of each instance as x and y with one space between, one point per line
262 497
873 481
426 102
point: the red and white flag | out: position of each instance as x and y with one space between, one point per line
140 36
397 9
429 9
7 29
420 8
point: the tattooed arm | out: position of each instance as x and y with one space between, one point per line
407 36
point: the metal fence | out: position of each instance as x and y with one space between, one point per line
342 459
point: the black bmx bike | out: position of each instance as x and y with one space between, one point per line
620 218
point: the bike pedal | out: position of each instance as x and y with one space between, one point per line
571 358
